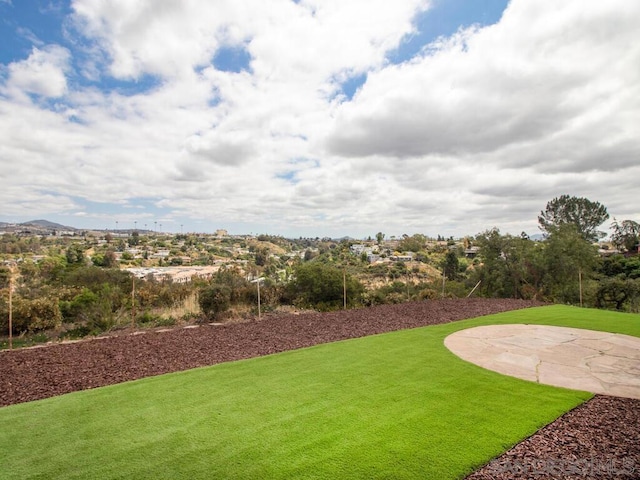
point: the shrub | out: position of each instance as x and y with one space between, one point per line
214 300
321 286
618 294
32 315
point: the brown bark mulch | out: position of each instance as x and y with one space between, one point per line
36 373
599 439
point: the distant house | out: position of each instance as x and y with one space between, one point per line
471 252
373 257
405 257
357 248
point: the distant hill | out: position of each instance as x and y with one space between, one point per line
47 224
39 226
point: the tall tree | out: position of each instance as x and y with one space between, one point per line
586 216
450 265
568 256
510 266
491 272
321 286
413 243
626 235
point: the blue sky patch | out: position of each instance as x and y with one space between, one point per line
130 87
289 176
445 18
28 23
350 87
232 59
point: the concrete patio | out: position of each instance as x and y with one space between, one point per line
597 362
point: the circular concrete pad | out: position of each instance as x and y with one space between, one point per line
597 362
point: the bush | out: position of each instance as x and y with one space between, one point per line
214 300
618 294
321 286
97 311
32 315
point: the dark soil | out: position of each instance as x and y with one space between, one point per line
602 430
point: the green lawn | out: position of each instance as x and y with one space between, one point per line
397 405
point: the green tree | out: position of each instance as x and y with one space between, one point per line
261 256
618 294
379 238
214 300
321 286
110 260
239 287
567 256
451 265
75 254
414 243
620 266
491 272
5 277
32 315
586 216
509 266
134 239
51 269
626 235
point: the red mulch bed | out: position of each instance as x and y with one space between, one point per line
605 428
599 439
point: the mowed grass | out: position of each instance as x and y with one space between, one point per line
397 405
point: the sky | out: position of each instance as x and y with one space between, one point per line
317 118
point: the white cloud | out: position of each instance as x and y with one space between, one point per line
549 75
170 37
478 131
43 73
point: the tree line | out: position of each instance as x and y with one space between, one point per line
67 292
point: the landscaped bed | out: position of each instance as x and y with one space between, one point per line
393 406
41 372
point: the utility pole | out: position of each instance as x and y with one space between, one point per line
11 308
408 295
257 282
259 311
344 287
580 282
133 301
